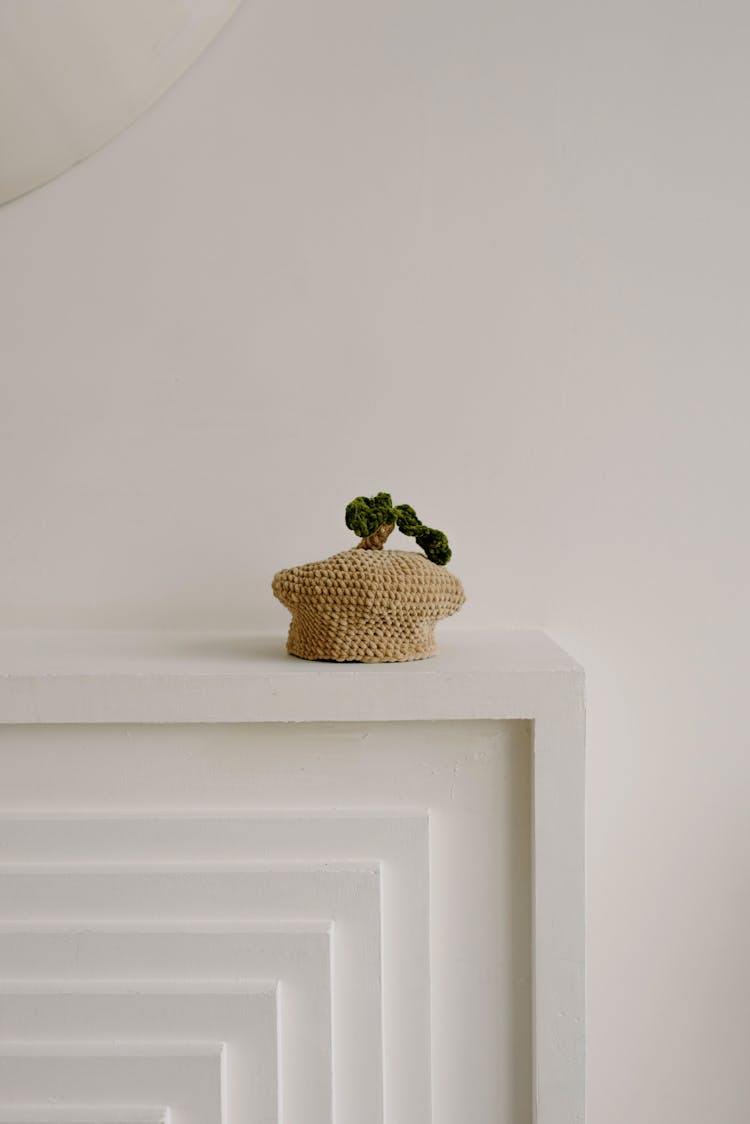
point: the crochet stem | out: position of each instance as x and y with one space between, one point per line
376 540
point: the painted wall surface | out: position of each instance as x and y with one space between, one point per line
74 75
493 258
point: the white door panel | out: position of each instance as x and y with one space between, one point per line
342 895
243 1019
83 1114
400 841
222 852
130 962
187 1078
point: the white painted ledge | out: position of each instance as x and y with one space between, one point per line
51 677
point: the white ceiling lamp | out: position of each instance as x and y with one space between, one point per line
75 73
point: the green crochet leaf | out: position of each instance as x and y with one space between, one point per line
364 515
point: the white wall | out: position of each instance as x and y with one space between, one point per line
491 258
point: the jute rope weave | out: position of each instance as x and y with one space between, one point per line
367 604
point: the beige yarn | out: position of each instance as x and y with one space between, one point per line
367 605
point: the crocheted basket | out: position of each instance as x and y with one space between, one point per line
368 604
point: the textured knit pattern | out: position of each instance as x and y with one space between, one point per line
368 606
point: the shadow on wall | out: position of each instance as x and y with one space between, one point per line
239 602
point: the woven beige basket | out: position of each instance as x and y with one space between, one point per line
368 604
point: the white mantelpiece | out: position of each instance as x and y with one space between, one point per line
233 677
162 764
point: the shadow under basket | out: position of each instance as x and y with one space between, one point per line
367 606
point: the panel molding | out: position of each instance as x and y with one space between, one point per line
244 765
189 1077
85 1114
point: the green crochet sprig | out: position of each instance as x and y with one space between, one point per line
374 518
